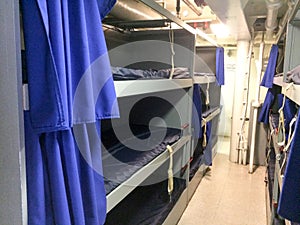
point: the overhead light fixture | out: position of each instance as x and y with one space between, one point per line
219 29
193 7
185 13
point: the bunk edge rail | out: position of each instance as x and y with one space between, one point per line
212 115
137 178
136 87
292 92
204 79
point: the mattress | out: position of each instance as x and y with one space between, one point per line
121 160
121 73
146 205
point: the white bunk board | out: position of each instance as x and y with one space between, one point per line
137 87
278 81
204 79
292 93
137 178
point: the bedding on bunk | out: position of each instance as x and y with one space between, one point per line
121 73
120 161
149 204
293 76
209 111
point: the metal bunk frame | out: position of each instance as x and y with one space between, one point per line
13 173
293 93
13 209
142 87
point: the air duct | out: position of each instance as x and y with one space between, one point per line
271 20
133 10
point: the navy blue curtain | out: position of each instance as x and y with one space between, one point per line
220 65
197 111
70 90
208 148
267 105
268 78
289 201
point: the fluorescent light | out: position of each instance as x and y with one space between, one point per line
219 29
185 13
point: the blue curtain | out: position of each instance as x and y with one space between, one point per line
197 111
220 65
268 78
70 90
265 110
208 148
289 201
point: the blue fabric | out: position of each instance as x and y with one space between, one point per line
289 111
208 148
268 78
220 65
264 113
65 47
197 111
60 180
289 201
70 89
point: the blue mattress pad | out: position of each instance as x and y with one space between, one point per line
120 161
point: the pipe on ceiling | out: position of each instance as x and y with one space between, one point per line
133 10
285 19
271 20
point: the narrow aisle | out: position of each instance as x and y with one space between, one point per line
228 195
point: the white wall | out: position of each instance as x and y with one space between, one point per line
239 96
227 96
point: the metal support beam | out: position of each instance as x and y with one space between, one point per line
152 4
12 162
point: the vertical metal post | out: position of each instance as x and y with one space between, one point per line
256 105
12 162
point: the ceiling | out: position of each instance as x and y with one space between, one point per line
243 18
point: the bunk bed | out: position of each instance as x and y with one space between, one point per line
282 178
155 117
289 204
278 153
146 89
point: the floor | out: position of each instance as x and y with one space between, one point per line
228 195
